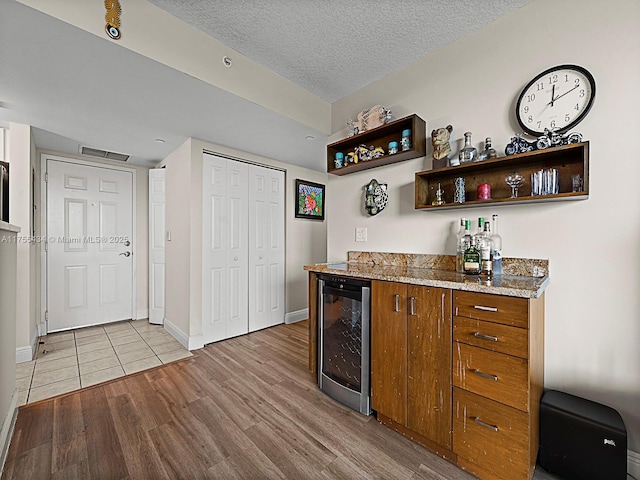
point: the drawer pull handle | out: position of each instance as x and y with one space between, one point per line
485 375
397 309
485 424
485 337
413 305
486 309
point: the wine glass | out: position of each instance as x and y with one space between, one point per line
514 180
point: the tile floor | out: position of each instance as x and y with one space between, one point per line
70 360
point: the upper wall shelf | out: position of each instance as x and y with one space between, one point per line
567 159
380 137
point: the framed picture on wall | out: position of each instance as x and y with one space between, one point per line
309 200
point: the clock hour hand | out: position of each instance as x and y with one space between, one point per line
560 96
553 93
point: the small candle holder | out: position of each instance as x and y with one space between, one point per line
439 194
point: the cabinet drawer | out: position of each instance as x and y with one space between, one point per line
494 375
492 336
491 436
493 308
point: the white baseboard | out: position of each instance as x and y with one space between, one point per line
190 343
633 463
296 316
7 428
142 313
28 353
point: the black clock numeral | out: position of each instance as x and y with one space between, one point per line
539 125
577 82
540 86
582 93
531 97
529 119
553 124
526 109
566 77
553 79
567 118
577 107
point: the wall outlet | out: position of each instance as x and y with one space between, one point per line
361 234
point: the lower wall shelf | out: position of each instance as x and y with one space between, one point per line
568 160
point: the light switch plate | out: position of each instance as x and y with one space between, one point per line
361 234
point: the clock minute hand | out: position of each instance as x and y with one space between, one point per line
553 93
560 96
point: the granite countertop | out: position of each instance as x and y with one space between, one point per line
525 278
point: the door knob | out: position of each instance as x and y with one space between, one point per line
126 254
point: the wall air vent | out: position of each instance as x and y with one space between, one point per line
94 152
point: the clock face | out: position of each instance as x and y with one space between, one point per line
557 99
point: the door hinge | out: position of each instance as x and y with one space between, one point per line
46 315
46 246
46 177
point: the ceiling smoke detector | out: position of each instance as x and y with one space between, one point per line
95 152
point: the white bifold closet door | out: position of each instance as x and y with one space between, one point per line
243 248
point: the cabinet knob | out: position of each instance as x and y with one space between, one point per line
413 305
397 309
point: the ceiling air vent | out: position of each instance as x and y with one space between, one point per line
94 152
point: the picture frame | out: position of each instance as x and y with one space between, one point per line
310 200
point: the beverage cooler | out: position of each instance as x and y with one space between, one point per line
343 341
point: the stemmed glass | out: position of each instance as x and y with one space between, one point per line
514 180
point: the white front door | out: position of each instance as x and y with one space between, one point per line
89 245
157 232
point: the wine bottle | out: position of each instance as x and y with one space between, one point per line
460 245
496 241
472 259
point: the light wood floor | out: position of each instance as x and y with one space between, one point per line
243 408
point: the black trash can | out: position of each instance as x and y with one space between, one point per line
581 439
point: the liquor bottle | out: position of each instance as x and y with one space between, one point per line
485 248
496 241
480 233
472 259
461 244
468 152
488 152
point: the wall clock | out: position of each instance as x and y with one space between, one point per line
556 99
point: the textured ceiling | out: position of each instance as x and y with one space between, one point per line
333 48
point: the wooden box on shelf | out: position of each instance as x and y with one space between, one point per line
380 137
569 160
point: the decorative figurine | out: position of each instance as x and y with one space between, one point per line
371 118
439 194
551 138
519 145
442 147
375 197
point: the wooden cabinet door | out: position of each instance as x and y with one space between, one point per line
429 363
389 350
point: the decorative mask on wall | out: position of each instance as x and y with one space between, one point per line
375 197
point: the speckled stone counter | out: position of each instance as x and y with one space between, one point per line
522 277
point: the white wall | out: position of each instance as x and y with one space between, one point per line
305 239
593 299
22 158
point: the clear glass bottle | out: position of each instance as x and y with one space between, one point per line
468 153
471 259
460 244
488 151
496 241
480 232
485 251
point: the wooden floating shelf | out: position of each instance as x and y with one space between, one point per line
567 159
380 137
